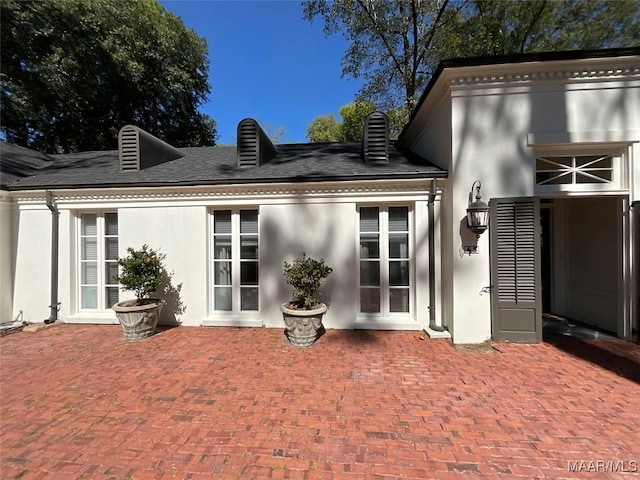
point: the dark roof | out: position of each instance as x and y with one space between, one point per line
516 58
217 166
19 162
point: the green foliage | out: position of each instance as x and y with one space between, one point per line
143 271
306 275
353 116
326 128
396 45
500 27
74 72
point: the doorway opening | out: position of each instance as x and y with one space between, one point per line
582 266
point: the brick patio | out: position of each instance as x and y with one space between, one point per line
215 403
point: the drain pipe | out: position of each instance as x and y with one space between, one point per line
432 259
55 220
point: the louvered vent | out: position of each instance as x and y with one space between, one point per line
247 143
138 150
129 153
254 147
376 137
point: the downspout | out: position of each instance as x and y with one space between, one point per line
432 259
55 220
635 269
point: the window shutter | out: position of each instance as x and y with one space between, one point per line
515 272
516 251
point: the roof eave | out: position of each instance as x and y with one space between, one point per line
190 183
568 55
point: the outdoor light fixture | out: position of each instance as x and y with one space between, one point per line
477 216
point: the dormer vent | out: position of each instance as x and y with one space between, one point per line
138 150
375 138
254 147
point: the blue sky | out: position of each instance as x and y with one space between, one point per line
268 63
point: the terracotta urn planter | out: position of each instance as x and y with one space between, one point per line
303 327
138 320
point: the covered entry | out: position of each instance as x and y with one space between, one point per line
557 256
582 260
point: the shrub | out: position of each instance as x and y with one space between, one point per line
306 275
142 272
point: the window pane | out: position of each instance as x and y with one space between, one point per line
222 221
248 247
561 179
558 162
398 245
370 300
370 274
369 219
222 247
399 300
111 224
89 273
248 221
222 273
111 296
89 224
398 219
399 273
89 249
603 176
249 273
111 248
369 246
598 161
222 298
249 298
89 297
110 272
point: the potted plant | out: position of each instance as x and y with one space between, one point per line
143 272
303 314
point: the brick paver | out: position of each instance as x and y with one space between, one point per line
202 403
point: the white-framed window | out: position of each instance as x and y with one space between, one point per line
579 168
235 261
385 260
97 260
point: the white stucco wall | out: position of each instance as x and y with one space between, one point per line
493 130
181 234
33 265
321 231
6 257
324 225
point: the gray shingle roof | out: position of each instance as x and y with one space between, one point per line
19 162
217 166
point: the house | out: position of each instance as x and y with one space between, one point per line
550 141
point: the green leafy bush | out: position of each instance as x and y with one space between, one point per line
142 272
306 275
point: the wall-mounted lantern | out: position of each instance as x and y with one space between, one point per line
477 216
